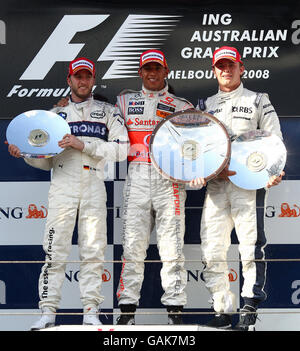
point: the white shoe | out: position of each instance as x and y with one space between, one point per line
47 320
91 317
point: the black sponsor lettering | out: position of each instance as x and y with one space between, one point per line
48 265
243 109
165 107
135 110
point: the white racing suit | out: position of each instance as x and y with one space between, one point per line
77 189
149 197
227 206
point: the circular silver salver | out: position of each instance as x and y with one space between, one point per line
37 132
256 156
189 144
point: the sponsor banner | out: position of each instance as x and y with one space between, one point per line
23 212
269 47
283 213
282 284
14 275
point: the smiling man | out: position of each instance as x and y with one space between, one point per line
81 80
228 73
148 197
153 73
227 206
77 192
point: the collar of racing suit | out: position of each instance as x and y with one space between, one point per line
82 104
222 95
153 93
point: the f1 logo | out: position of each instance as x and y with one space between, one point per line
58 47
125 57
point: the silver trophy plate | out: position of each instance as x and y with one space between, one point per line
36 133
255 157
189 144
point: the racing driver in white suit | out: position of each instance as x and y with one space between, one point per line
227 206
148 196
97 134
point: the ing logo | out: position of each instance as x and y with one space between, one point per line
232 275
106 276
33 212
287 211
74 276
